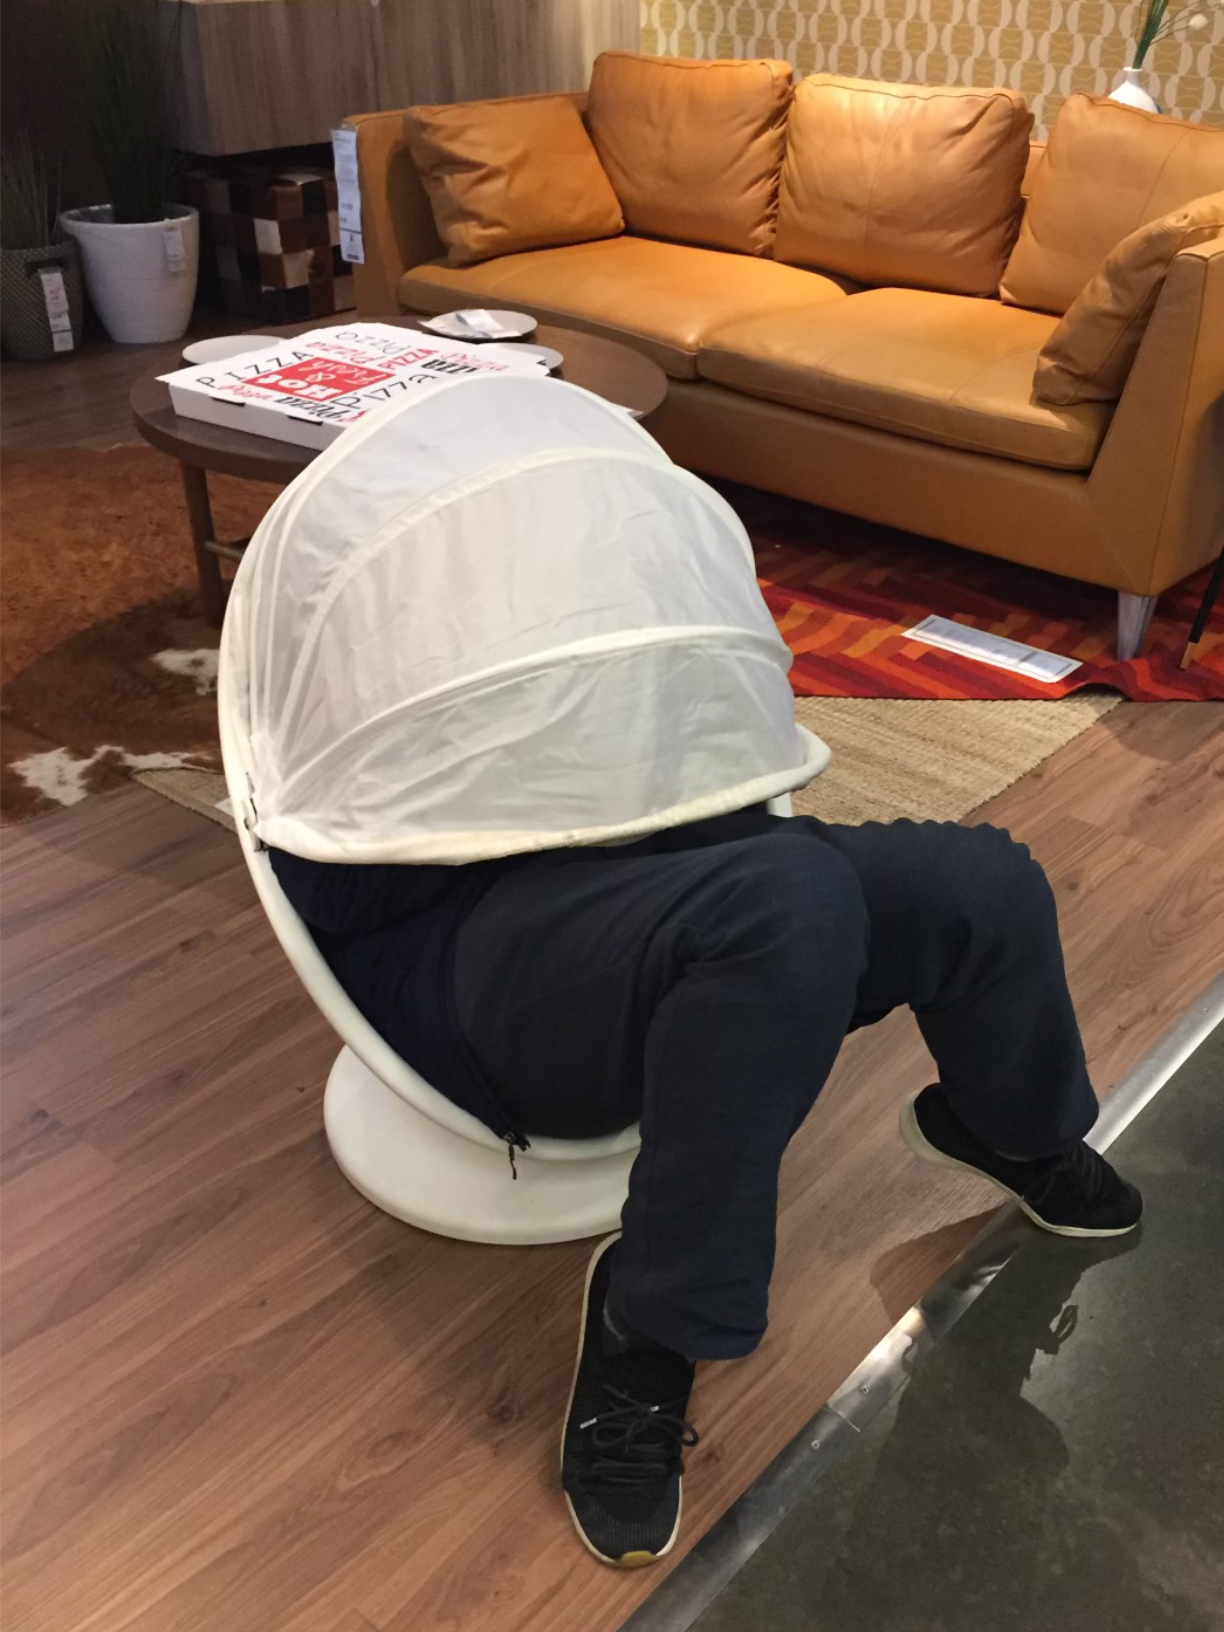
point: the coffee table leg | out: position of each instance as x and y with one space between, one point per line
208 567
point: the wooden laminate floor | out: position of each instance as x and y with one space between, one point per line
81 398
239 1399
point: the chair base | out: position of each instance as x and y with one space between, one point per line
428 1176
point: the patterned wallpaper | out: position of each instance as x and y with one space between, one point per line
1045 48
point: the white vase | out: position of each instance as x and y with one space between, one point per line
141 277
1129 90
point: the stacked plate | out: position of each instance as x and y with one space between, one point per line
491 328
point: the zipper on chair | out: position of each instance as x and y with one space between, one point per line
513 1141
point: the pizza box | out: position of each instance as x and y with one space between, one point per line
310 388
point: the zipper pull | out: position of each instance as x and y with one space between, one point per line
510 1153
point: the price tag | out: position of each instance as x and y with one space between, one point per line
176 252
344 152
55 298
348 195
349 208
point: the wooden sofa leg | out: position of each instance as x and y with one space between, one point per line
1134 616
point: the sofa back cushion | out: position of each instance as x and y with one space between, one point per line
1035 160
1108 170
510 175
903 184
693 149
1089 354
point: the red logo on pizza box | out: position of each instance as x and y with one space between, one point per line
320 380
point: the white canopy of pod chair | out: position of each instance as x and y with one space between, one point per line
492 620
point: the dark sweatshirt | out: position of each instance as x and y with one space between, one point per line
388 934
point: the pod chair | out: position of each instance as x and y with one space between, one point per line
493 620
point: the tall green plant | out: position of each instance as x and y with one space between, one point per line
29 196
1166 19
1150 27
131 70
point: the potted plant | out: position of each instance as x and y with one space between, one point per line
1161 20
141 251
40 271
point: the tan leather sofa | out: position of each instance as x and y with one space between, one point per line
907 406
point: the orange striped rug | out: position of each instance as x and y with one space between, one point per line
843 593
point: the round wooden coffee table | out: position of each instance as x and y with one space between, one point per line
611 370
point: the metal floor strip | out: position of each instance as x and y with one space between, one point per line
724 1550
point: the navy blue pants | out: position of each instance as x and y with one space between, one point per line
703 982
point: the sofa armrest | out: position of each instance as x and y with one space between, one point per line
397 223
1157 487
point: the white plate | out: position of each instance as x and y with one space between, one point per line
515 352
222 346
514 326
550 358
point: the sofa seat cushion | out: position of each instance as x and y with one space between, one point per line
664 299
942 368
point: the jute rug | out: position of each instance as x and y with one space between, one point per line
109 671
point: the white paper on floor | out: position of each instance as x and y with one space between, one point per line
997 650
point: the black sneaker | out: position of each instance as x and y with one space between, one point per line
1074 1194
625 1431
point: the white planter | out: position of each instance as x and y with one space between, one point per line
1129 90
141 278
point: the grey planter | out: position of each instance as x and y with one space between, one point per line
24 326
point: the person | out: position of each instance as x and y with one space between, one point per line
701 982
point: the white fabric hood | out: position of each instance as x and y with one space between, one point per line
497 620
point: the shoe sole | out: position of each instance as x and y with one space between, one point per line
627 1561
921 1147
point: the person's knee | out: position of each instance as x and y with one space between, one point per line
992 875
789 892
